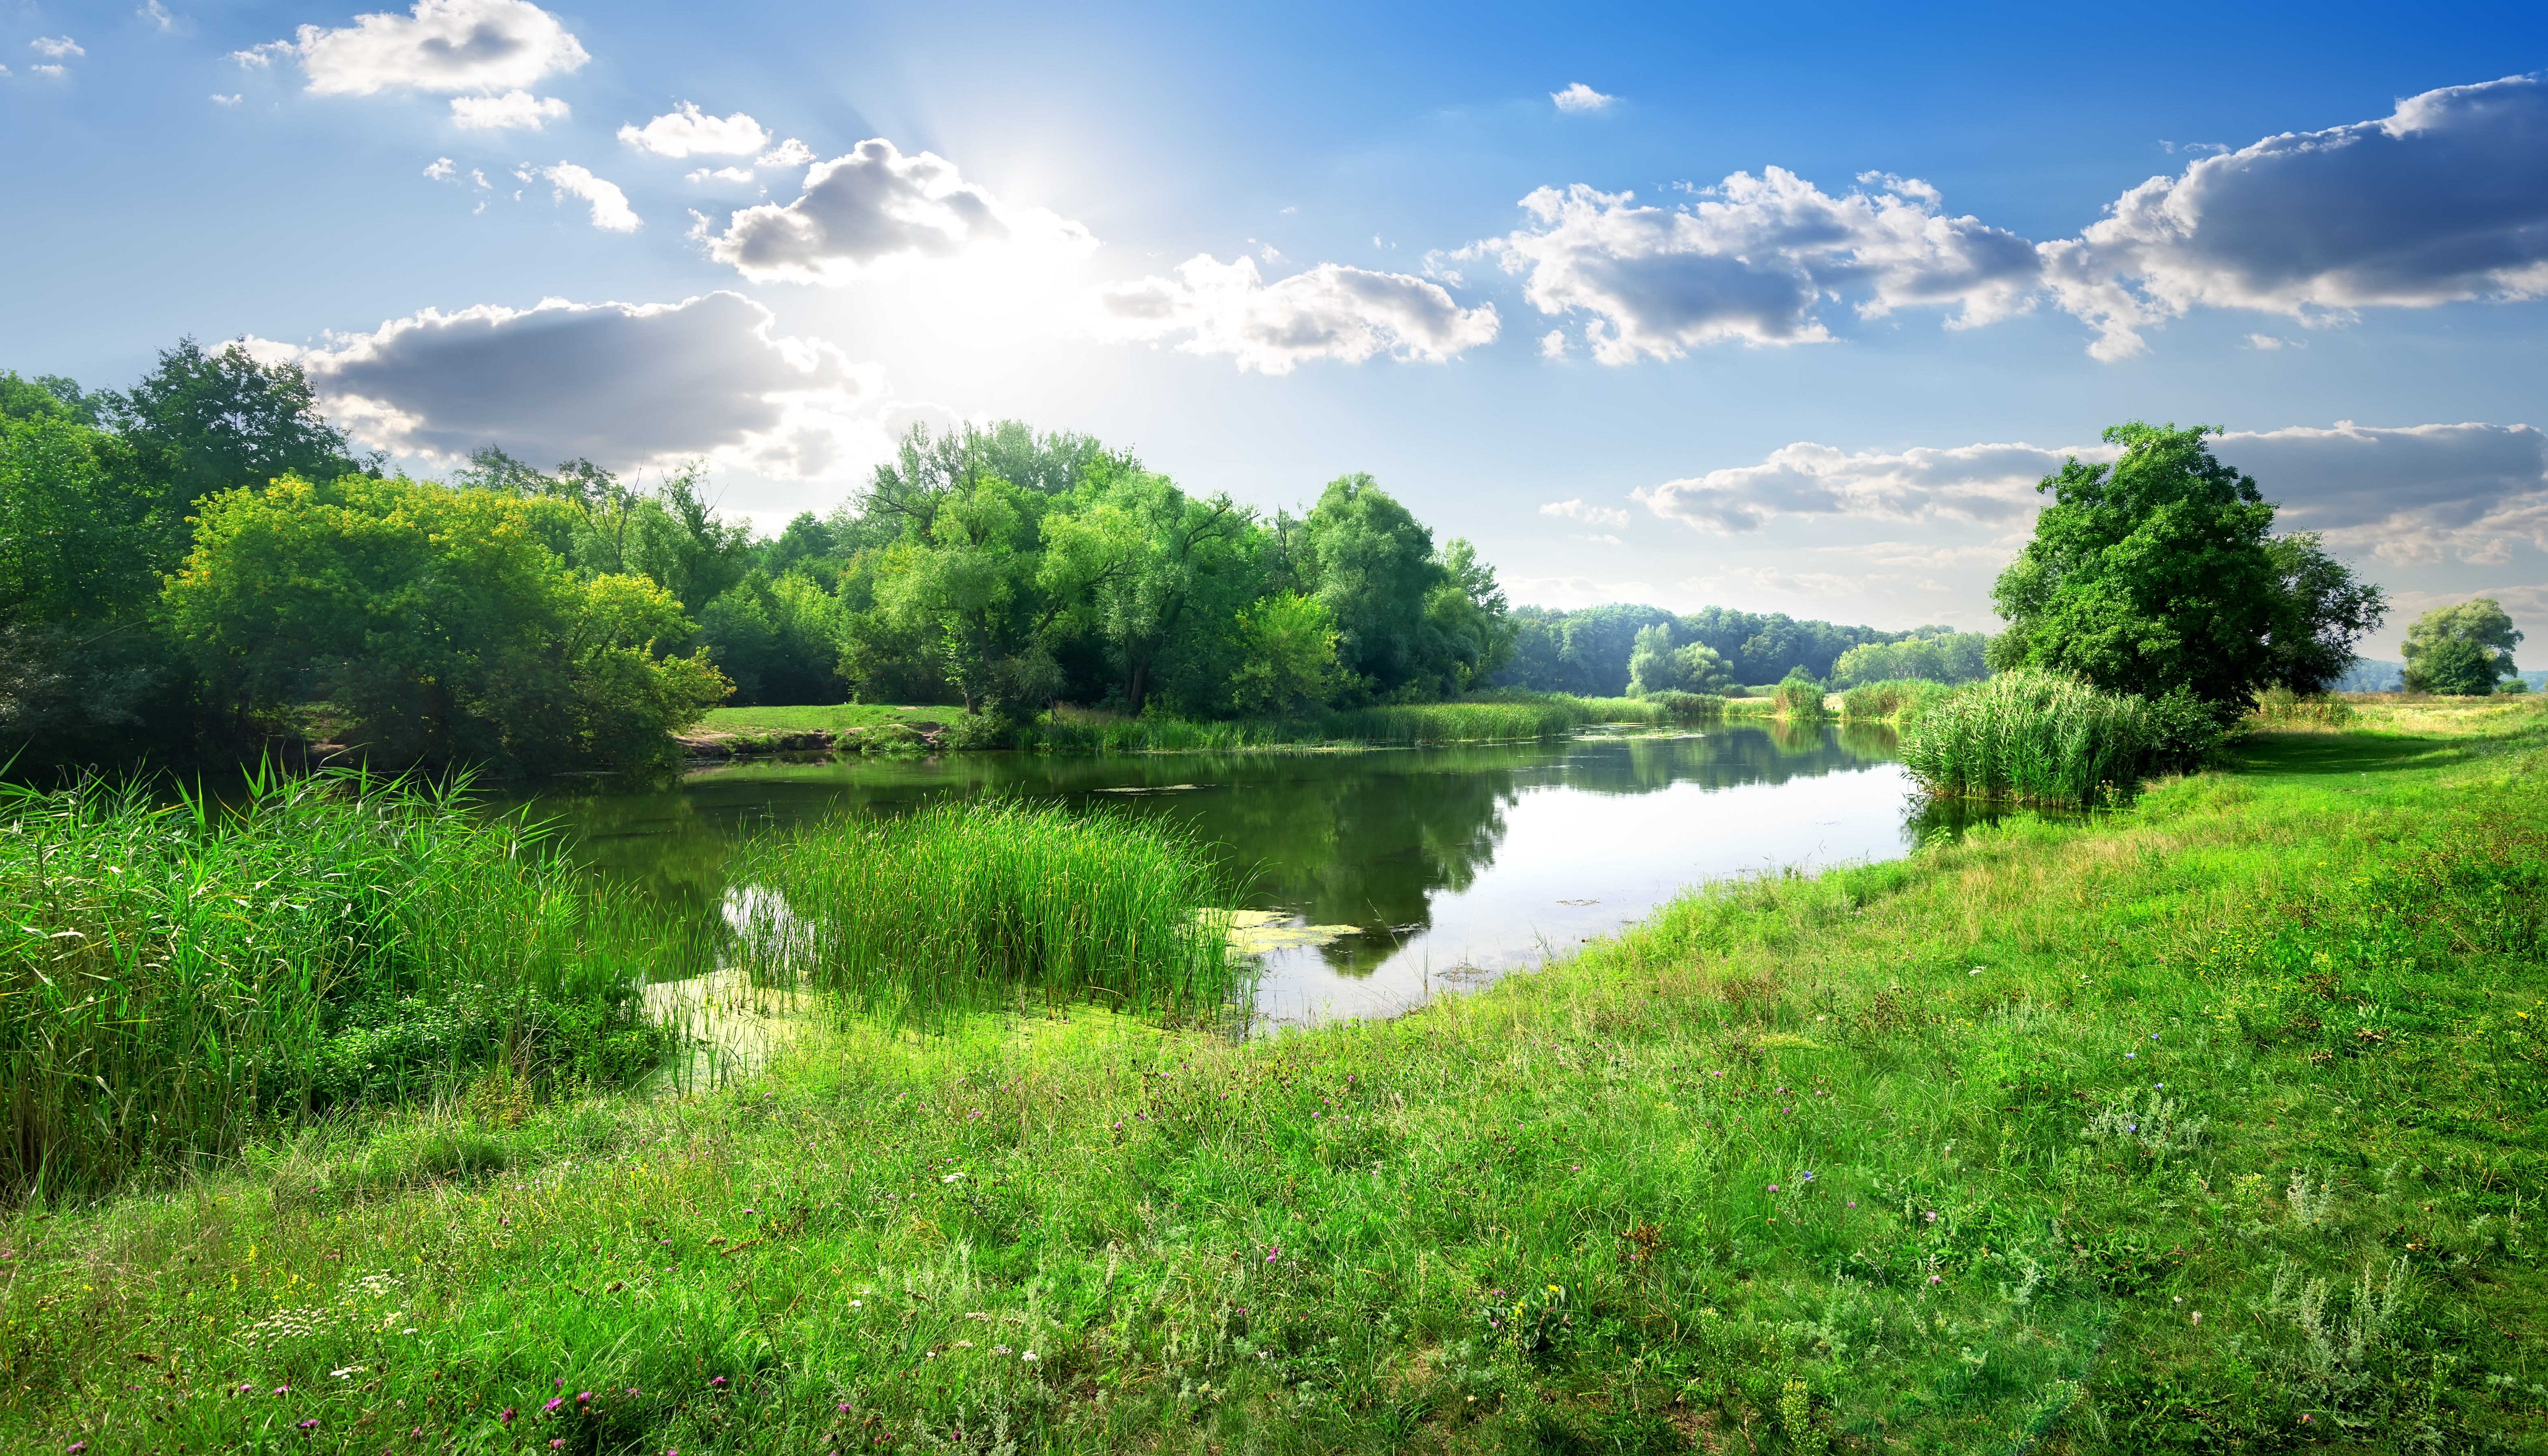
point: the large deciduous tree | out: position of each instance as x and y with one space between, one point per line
2464 649
2159 574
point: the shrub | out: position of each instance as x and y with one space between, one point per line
1902 698
1799 696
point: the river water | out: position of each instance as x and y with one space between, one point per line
1452 866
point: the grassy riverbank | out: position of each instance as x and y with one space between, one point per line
2212 1125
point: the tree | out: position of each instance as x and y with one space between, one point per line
2158 574
1371 562
1287 657
1469 632
206 421
1656 666
1151 571
2462 650
437 623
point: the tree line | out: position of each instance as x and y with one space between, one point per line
201 565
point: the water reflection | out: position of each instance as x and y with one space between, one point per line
1459 863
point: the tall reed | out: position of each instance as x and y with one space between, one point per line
1475 720
1903 699
2037 738
978 906
178 975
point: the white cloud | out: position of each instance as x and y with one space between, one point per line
511 109
2445 199
1552 344
788 153
2411 495
2408 495
1330 311
686 131
1973 482
1599 516
441 46
2267 344
721 174
441 169
874 212
55 46
610 210
158 14
1579 97
48 70
1752 259
628 386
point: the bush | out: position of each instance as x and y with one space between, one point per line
1799 696
1902 698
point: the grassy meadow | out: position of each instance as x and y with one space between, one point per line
2213 1124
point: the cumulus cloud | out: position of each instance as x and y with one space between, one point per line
686 131
158 14
441 169
1579 97
874 212
2410 494
514 108
1330 311
610 210
1598 515
788 153
625 385
441 46
2445 199
1752 258
230 100
1983 483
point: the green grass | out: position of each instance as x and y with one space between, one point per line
963 907
838 718
1492 718
1537 1218
182 976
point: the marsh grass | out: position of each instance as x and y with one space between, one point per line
1496 717
2033 737
1901 700
1571 1213
976 906
183 975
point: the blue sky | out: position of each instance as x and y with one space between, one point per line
1532 269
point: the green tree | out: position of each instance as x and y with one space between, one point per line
2464 649
1469 632
1372 563
1151 571
437 623
209 420
1287 657
2158 574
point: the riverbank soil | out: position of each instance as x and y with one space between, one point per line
2216 1124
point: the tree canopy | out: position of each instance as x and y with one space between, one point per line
2465 649
2159 574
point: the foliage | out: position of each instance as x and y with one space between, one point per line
777 640
205 422
2157 574
1286 653
2282 707
438 623
2462 649
962 907
2039 737
1655 665
184 976
1587 651
1932 653
1798 696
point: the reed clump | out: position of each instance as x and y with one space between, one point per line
2033 737
983 906
1501 719
181 975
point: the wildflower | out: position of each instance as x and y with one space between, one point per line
1933 1279
310 1425
717 1384
76 1447
2198 1317
283 1390
551 1408
584 1397
1809 1177
2132 1053
508 1418
1853 1203
1029 1355
1774 1188
558 1445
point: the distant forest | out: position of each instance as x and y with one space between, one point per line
1589 650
